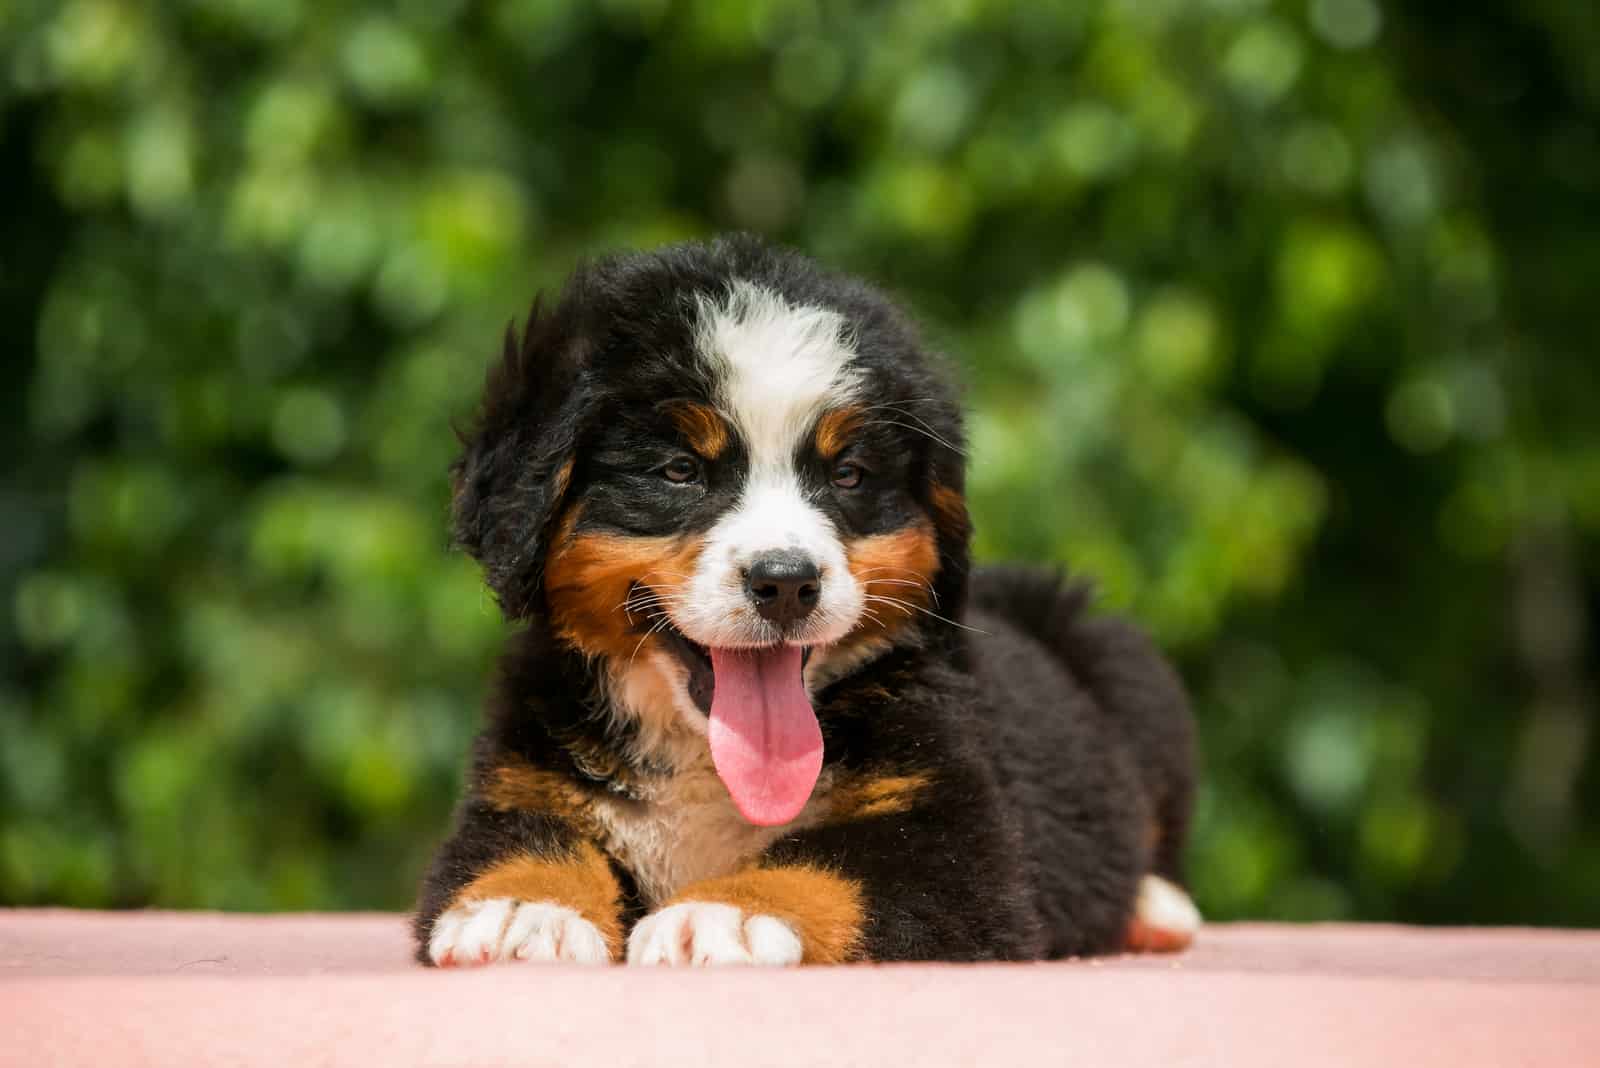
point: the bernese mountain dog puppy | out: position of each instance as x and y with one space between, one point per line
759 708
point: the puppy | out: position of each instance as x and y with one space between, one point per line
760 709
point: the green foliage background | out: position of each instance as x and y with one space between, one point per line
1278 319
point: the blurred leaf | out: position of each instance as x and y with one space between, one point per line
1277 322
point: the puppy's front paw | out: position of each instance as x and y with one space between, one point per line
502 928
700 932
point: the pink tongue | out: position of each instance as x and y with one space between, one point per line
765 740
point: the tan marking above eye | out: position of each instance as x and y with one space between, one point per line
701 425
835 429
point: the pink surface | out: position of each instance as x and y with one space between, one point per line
154 988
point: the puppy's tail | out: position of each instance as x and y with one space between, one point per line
1131 681
1042 603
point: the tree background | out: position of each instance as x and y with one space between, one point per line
1278 319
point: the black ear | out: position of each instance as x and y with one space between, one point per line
946 501
518 456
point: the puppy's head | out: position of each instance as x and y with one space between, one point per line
721 473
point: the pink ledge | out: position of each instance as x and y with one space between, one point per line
201 988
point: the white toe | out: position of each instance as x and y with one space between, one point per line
582 943
530 935
717 937
700 933
445 936
772 941
483 932
478 932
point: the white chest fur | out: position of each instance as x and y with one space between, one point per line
688 829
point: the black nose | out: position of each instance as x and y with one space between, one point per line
784 586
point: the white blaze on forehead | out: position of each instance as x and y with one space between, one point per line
778 366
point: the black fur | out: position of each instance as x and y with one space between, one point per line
1057 744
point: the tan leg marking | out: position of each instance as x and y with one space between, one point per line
582 882
824 909
875 795
522 787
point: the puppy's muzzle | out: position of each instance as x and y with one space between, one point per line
783 586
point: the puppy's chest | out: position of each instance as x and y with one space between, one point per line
688 830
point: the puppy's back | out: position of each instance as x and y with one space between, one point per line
1092 740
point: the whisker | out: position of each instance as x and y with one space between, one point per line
901 605
943 619
640 604
894 407
909 400
665 619
887 567
653 598
916 429
922 579
925 586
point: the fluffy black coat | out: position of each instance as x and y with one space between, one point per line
1055 745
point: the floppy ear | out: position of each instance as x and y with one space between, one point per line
944 489
518 457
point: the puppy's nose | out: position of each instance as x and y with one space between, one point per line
784 586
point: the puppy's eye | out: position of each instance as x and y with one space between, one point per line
847 475
681 469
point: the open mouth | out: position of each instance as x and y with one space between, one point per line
766 743
696 659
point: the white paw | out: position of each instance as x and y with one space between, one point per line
1164 918
501 928
698 932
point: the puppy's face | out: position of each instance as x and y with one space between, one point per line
755 483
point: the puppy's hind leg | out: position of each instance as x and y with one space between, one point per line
1165 920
